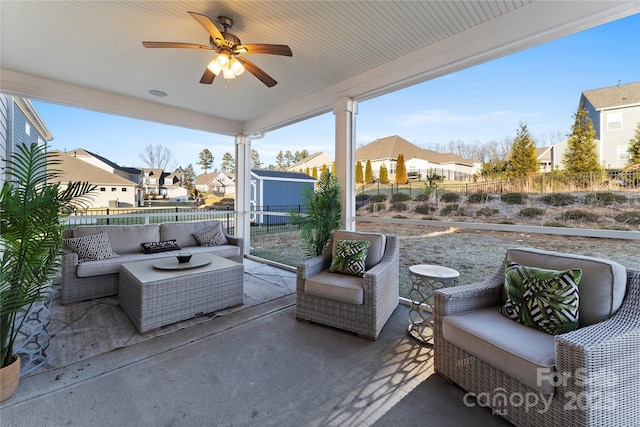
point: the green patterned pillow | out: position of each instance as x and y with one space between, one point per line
349 257
543 299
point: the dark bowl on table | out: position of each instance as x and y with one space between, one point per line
182 258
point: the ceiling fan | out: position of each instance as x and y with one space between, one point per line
228 47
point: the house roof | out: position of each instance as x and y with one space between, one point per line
205 178
307 159
392 146
83 152
74 169
614 96
276 174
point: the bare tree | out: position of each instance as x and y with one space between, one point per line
158 156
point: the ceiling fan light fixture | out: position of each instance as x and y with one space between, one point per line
223 59
236 67
214 67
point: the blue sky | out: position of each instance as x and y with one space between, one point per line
540 86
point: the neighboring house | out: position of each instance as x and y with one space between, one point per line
216 183
282 189
418 161
316 160
20 123
545 158
112 190
132 174
167 185
615 114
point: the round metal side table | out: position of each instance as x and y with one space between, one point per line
425 279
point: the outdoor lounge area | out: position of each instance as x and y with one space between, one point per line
254 365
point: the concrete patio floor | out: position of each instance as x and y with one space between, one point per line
255 366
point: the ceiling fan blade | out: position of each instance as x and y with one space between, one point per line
271 49
207 77
256 71
213 31
176 44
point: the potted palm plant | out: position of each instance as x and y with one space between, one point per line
321 216
31 205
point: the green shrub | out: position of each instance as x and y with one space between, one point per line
558 199
424 209
479 198
453 209
629 217
449 197
513 198
578 215
606 198
487 211
531 212
506 221
422 197
398 206
400 197
377 198
399 217
363 197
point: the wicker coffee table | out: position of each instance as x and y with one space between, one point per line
153 297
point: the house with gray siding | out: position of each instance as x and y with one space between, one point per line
20 123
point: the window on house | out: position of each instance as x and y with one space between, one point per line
27 128
124 189
614 121
103 189
623 152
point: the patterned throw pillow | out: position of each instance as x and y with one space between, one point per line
92 247
349 257
161 246
543 299
212 236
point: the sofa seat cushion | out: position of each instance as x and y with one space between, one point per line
518 350
336 286
112 266
124 239
602 286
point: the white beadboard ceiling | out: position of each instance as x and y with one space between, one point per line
89 54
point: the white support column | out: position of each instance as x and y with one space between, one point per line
243 190
345 110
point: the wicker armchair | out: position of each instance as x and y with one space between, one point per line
596 377
379 288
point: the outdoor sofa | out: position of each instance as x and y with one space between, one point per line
586 377
83 280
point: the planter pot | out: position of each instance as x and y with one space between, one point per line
9 379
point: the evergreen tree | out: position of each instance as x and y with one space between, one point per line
188 178
307 171
314 173
523 160
401 170
368 173
205 160
384 174
255 159
324 169
281 161
300 155
228 163
634 148
582 152
359 177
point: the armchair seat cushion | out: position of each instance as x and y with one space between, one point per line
516 349
336 286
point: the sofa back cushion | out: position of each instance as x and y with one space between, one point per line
182 232
601 288
124 239
376 250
